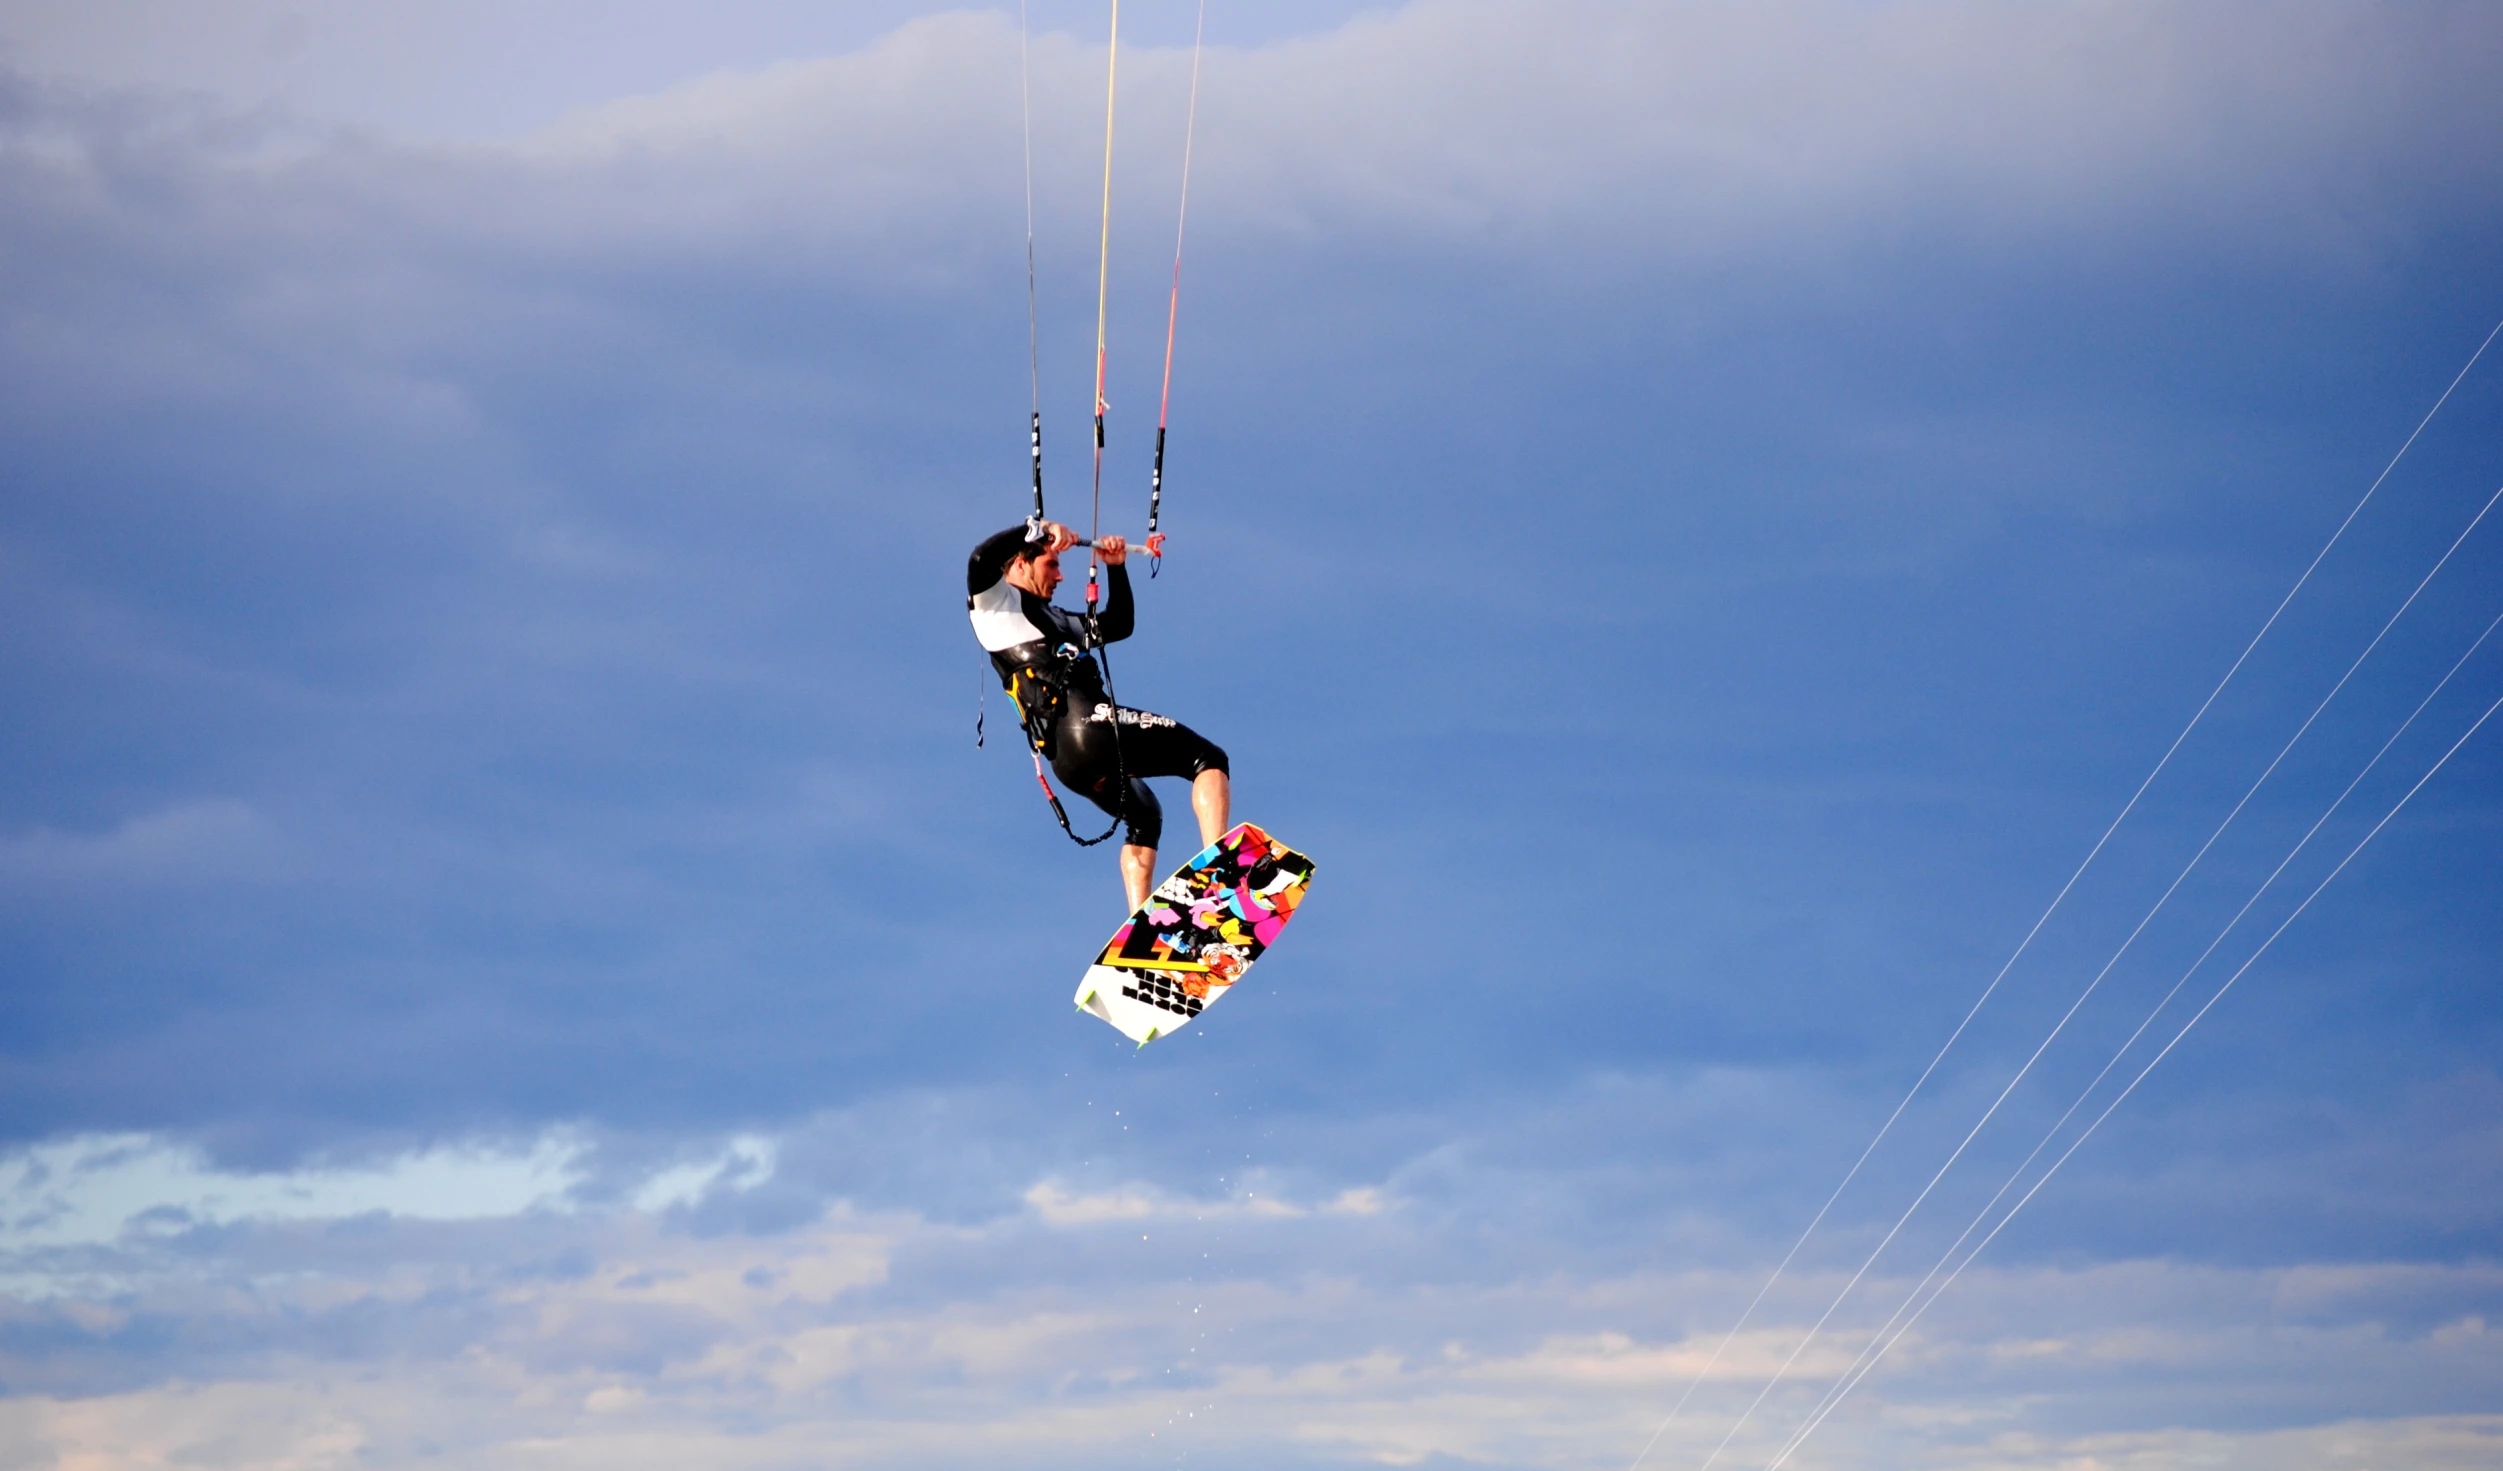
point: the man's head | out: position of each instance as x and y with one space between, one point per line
1035 569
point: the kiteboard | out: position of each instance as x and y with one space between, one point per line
1196 935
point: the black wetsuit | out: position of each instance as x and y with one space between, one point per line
1041 653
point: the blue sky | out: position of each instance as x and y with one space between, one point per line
1695 517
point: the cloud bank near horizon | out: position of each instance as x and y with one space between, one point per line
1129 1325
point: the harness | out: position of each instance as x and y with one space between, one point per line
1040 701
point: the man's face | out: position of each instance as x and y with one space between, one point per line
1039 575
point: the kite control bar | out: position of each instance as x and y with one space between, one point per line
1153 543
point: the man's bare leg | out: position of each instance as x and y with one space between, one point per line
1138 869
1212 801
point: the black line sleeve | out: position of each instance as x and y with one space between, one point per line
1120 614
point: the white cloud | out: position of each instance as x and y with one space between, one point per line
1060 1207
1115 1382
217 837
94 1188
1583 129
1057 1205
99 1190
459 69
745 1161
1678 135
260 1425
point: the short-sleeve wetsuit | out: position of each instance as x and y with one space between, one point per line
1041 654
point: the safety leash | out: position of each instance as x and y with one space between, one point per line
1035 744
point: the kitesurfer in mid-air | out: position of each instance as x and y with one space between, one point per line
1042 655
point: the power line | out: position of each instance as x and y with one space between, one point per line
1870 1360
2148 918
2024 944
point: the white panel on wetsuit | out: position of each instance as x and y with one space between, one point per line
999 619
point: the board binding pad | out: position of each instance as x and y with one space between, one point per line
1196 935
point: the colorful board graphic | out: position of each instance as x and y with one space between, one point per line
1196 935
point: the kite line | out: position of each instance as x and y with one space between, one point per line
1095 526
1034 372
1173 307
1103 294
1034 336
